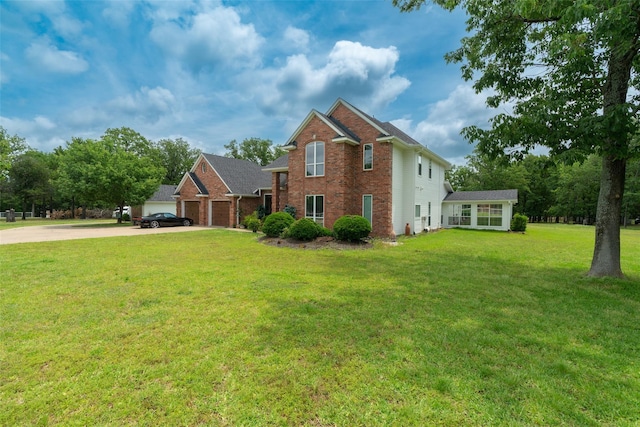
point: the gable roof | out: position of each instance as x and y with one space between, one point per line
241 177
163 194
482 196
388 131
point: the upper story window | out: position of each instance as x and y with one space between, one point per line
367 157
203 167
430 169
315 159
419 165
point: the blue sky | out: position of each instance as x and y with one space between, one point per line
210 72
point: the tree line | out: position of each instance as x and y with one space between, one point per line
120 168
549 189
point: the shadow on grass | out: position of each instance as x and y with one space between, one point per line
441 341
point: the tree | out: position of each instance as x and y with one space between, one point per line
11 146
117 169
29 178
177 157
260 151
567 67
577 191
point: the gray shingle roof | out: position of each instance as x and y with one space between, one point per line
201 188
279 163
467 196
163 194
241 176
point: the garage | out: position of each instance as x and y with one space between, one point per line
220 215
192 210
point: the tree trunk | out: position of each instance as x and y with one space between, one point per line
606 253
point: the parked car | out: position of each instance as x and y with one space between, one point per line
164 219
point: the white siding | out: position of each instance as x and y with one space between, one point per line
155 207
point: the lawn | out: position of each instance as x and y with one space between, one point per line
454 328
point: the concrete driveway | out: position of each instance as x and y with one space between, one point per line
46 233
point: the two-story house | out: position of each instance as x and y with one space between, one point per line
347 162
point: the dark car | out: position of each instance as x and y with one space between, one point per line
164 219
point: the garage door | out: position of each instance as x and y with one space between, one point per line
221 213
191 210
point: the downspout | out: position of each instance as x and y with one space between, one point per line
238 211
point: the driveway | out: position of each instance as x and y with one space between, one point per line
46 233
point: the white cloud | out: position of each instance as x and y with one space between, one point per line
361 74
42 53
440 131
56 11
209 39
117 13
297 38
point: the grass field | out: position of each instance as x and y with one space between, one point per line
213 328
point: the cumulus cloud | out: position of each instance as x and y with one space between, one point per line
209 39
296 38
44 54
440 130
117 13
63 22
361 74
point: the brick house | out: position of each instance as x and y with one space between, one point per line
220 191
347 162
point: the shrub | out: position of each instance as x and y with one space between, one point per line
351 228
126 217
261 212
304 229
519 222
275 223
252 222
325 232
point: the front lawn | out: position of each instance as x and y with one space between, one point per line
211 327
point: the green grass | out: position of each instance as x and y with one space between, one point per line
213 328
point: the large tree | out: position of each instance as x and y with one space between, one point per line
117 169
29 178
177 157
566 66
260 151
11 146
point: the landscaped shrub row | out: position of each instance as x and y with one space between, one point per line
350 228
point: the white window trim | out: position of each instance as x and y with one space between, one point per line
315 158
313 216
364 157
363 212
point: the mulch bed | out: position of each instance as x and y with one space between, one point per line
319 243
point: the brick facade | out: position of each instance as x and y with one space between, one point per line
345 181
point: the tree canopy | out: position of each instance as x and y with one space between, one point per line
566 67
176 156
117 169
260 151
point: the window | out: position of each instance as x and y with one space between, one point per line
419 165
315 159
367 207
429 214
490 215
465 215
429 169
203 167
315 209
267 204
417 211
367 157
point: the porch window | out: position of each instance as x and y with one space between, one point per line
367 157
490 215
315 208
465 215
315 159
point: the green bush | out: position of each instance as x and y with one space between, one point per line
304 229
126 217
252 222
275 223
519 222
325 232
351 228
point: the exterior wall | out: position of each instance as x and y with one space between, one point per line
344 181
217 191
153 207
448 210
